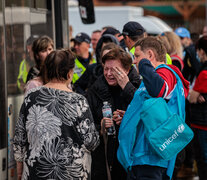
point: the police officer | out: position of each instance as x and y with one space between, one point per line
84 58
132 32
26 63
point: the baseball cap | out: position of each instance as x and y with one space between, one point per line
111 30
82 37
182 32
31 39
132 28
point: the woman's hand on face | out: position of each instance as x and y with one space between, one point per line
121 76
105 124
118 116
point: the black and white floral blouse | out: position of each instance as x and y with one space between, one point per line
54 135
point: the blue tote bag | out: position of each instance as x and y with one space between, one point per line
166 132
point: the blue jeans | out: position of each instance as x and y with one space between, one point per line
146 172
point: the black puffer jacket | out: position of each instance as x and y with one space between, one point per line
199 110
119 99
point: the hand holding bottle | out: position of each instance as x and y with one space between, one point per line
107 119
106 123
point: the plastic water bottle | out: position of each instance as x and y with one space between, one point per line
107 112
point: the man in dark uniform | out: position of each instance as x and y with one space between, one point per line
84 58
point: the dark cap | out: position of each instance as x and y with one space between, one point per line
82 37
133 28
31 39
111 30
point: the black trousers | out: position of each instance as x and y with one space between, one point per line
146 172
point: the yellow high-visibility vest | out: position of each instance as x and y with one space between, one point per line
132 50
168 59
92 61
78 70
22 73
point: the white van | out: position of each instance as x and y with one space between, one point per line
116 16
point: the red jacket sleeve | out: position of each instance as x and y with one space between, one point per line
201 82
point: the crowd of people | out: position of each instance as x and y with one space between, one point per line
60 133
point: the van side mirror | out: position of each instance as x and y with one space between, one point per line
86 10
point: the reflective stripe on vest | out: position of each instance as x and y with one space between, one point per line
22 73
78 70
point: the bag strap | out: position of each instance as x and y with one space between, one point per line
105 138
178 79
179 106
